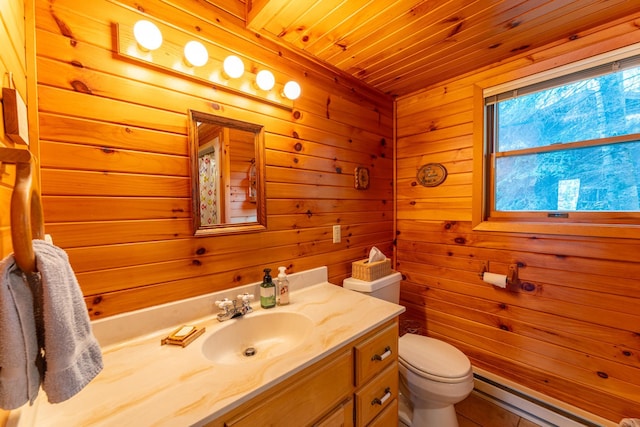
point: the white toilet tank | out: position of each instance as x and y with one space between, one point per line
386 288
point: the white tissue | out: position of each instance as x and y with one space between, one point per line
499 280
376 254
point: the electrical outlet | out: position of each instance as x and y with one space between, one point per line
336 234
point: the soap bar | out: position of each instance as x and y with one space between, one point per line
185 330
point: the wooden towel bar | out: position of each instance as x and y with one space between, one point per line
26 209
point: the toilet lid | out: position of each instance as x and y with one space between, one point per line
433 357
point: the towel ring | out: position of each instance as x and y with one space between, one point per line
26 209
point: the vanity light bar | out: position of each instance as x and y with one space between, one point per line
178 52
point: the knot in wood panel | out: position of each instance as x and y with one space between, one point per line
518 49
65 30
512 24
81 87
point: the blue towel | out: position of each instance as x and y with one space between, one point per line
19 351
67 355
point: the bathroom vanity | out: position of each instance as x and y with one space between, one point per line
331 360
358 382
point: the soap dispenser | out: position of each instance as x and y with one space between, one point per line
283 286
267 290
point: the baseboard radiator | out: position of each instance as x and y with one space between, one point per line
535 407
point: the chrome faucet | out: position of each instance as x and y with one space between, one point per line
234 308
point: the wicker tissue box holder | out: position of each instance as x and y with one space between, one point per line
370 271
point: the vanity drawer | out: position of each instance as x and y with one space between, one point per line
376 353
377 395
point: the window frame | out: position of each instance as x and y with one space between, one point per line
600 224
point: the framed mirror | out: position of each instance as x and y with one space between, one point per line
227 175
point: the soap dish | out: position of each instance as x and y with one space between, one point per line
183 336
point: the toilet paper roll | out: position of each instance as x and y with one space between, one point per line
499 280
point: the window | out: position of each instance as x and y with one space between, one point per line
566 149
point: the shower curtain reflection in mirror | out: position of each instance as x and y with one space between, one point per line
209 183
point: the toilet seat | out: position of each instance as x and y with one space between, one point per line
433 359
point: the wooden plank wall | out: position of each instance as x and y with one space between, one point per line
573 329
115 168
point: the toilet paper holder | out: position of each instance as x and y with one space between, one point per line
512 274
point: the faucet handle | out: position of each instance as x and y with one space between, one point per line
246 297
224 303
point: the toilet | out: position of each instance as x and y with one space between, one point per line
434 375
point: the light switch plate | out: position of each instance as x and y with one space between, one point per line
336 234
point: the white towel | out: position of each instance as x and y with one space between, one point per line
59 321
630 422
19 374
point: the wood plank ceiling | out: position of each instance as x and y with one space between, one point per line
400 46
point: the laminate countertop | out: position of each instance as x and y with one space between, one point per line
145 383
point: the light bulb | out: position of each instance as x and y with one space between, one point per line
291 90
147 34
265 80
233 66
196 54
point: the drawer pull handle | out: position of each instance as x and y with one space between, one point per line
387 353
387 396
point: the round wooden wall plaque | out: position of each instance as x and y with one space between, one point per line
431 174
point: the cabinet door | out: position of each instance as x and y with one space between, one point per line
341 417
303 401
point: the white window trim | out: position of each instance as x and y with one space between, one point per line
574 67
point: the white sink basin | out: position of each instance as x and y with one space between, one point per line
256 336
